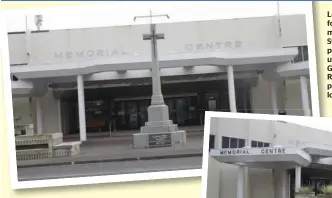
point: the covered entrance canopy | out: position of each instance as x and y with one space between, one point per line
275 157
278 158
269 157
255 58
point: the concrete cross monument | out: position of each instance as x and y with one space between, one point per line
159 131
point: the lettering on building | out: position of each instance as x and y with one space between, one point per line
235 152
263 151
273 151
79 54
211 46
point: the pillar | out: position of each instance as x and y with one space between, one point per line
39 116
59 116
305 96
274 100
240 182
231 88
280 177
297 178
306 111
81 107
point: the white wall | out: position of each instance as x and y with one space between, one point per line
293 97
22 109
50 113
288 134
64 117
17 49
288 97
253 33
261 99
291 25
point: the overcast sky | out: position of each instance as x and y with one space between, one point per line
122 13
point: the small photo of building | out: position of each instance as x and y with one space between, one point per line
261 157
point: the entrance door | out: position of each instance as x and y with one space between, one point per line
132 115
143 112
192 112
181 111
171 108
120 115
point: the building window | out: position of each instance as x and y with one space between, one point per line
212 142
258 144
302 55
228 142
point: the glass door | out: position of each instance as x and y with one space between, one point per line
132 114
143 112
192 113
120 115
181 111
171 108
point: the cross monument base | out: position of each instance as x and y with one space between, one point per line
159 131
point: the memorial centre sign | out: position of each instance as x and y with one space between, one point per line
253 151
79 54
211 46
189 47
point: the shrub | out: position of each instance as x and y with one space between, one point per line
305 190
327 190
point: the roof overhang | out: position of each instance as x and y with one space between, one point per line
317 150
21 88
132 62
287 70
293 69
272 157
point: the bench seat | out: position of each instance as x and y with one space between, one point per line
66 149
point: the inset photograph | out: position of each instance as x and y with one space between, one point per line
259 156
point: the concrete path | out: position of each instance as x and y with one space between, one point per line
116 149
108 168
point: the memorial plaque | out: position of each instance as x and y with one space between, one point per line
160 140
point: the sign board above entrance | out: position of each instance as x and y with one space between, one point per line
212 46
116 52
253 151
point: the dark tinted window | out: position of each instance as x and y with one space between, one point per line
241 143
233 143
225 142
212 142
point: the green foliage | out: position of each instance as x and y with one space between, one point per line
327 190
305 190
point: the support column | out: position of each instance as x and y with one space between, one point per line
81 107
240 182
231 88
39 116
297 178
274 100
280 183
305 96
60 116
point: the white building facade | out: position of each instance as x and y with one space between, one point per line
276 158
99 79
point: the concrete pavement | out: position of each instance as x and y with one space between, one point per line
114 149
109 168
